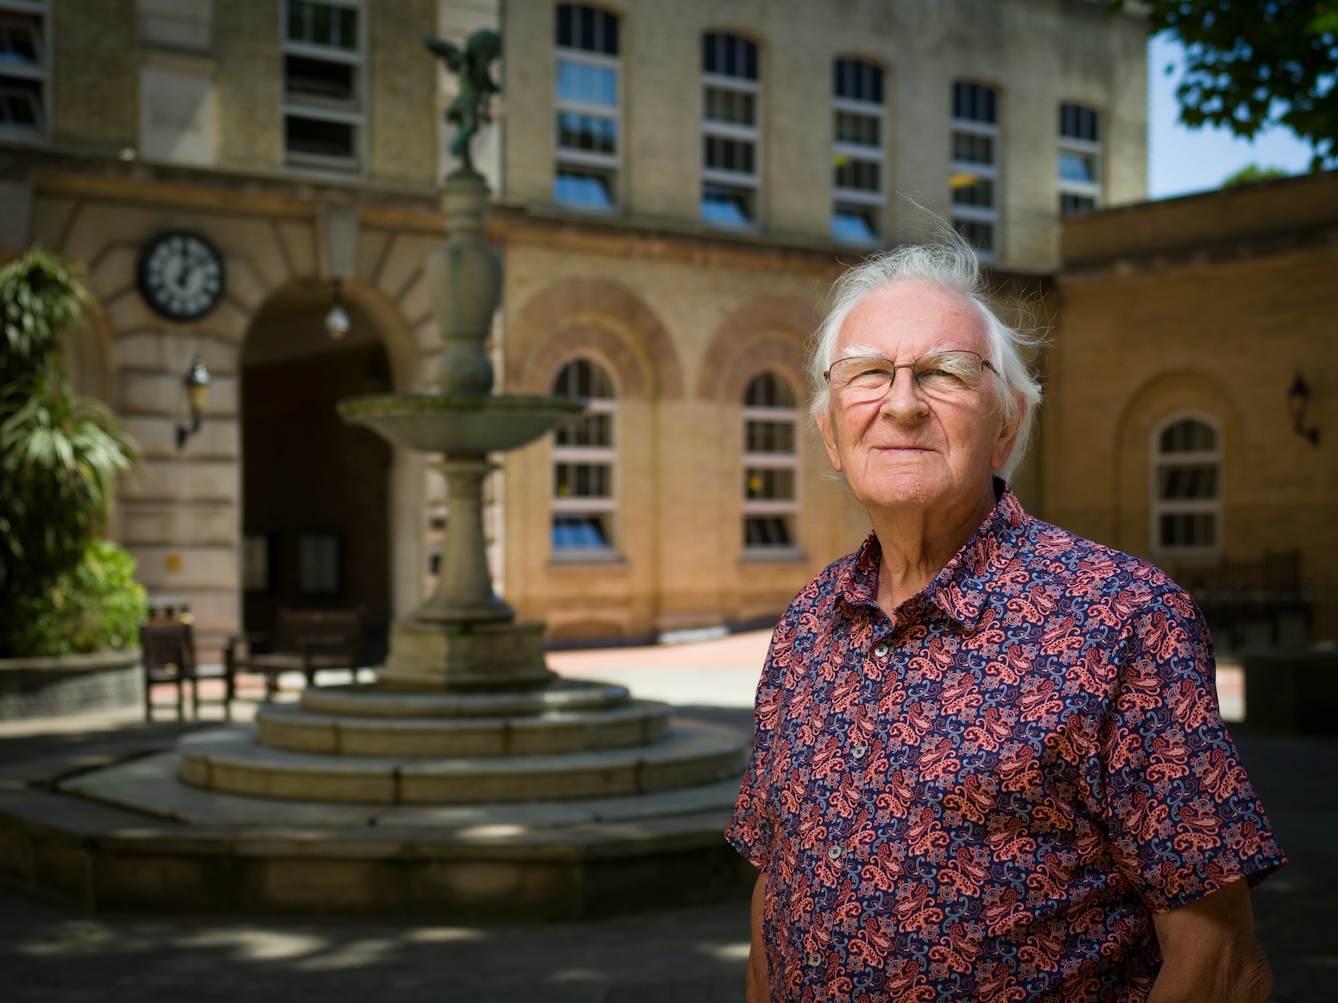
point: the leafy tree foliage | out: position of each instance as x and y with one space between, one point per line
1251 173
1255 63
60 454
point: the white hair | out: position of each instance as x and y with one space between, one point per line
950 263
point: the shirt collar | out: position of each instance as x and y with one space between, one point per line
962 588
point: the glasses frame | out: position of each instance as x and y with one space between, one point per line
984 363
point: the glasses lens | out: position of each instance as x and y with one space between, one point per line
859 379
948 372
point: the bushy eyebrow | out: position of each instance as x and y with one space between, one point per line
870 352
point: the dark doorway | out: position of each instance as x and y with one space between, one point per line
316 491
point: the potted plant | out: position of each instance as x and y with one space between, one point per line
64 592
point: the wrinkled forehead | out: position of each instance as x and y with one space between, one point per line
907 319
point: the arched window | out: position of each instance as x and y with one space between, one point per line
584 458
1079 158
731 130
858 156
587 92
1186 489
770 465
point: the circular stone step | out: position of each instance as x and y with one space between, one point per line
692 753
291 727
370 700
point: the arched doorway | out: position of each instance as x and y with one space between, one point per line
315 491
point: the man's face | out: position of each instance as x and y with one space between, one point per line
911 449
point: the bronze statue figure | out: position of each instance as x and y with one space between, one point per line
469 110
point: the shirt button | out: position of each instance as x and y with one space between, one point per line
880 650
834 852
859 751
814 959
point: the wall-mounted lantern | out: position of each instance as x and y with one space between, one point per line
197 396
337 321
1298 403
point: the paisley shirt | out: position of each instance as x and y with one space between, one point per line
987 796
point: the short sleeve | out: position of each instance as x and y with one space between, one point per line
751 828
1182 818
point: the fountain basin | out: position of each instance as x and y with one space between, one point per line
459 424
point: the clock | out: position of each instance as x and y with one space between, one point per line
181 275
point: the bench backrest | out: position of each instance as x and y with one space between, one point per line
330 630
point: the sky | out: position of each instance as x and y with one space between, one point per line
1182 160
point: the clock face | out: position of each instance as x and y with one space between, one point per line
181 275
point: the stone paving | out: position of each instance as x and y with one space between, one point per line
51 954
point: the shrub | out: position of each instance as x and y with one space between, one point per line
94 606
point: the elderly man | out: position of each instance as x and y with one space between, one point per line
989 762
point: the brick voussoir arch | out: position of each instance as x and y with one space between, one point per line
771 333
580 308
583 337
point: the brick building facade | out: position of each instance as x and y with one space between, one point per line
675 185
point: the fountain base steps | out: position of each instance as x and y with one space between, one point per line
118 832
433 657
689 754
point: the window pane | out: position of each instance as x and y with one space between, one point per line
729 56
319 137
589 84
585 132
20 40
323 24
728 206
582 480
769 436
317 78
21 104
1188 529
857 80
767 531
1187 483
1075 203
590 430
979 235
1077 167
974 102
979 193
769 390
592 190
768 484
1079 122
723 105
861 175
580 532
861 129
854 222
1188 436
730 155
584 379
971 148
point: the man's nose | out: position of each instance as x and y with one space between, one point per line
903 402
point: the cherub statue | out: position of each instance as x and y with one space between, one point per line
469 110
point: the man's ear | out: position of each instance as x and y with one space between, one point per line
823 419
1008 433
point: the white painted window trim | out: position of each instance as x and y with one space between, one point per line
606 506
610 163
354 113
973 213
1157 507
740 133
859 151
43 73
773 461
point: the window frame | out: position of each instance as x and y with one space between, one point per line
876 154
788 508
607 506
43 74
610 165
1157 507
1083 147
992 172
751 182
354 114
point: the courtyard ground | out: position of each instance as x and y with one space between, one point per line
48 953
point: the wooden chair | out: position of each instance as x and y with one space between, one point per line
169 657
304 640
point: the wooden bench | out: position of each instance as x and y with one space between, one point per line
303 640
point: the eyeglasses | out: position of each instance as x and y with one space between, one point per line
941 375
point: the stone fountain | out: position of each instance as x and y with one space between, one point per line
469 779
